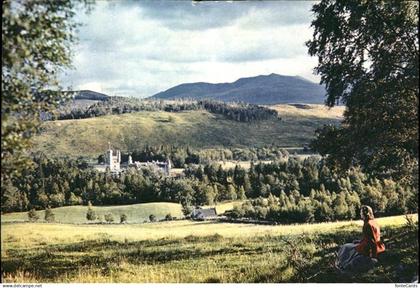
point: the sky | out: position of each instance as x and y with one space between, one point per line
140 48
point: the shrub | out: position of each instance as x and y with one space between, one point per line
90 215
187 210
49 215
32 215
109 218
123 218
152 218
169 217
100 218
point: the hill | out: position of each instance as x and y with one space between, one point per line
263 89
90 95
199 129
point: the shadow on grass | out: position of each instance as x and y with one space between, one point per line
311 262
398 264
52 262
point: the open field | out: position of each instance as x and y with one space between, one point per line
199 129
185 251
136 213
290 112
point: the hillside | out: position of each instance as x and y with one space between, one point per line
263 89
199 129
90 95
136 213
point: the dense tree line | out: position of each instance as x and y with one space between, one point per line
184 155
283 191
119 105
305 191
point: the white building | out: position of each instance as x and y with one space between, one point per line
113 162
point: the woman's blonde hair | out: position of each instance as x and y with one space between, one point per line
367 212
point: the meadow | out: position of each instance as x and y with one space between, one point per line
186 251
136 213
200 129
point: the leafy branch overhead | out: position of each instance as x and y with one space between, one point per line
37 38
368 59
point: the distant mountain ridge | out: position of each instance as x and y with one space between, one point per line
90 95
262 89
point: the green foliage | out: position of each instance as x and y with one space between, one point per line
289 196
109 217
123 218
49 215
11 198
32 215
152 218
36 41
169 217
241 112
368 60
187 210
90 215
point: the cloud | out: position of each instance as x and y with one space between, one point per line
206 15
141 48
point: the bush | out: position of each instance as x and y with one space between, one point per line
187 210
49 215
169 217
109 218
90 215
152 218
123 218
32 215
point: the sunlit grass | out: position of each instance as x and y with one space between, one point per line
199 129
136 213
187 251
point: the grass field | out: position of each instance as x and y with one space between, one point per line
136 213
199 129
185 251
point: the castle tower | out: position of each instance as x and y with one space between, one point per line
168 166
113 160
117 160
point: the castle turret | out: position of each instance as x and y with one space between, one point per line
168 166
113 160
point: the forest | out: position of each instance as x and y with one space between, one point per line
289 191
242 112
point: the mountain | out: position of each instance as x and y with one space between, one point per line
90 95
263 89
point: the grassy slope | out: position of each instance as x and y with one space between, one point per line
89 137
136 213
184 251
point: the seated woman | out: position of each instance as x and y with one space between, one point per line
361 254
